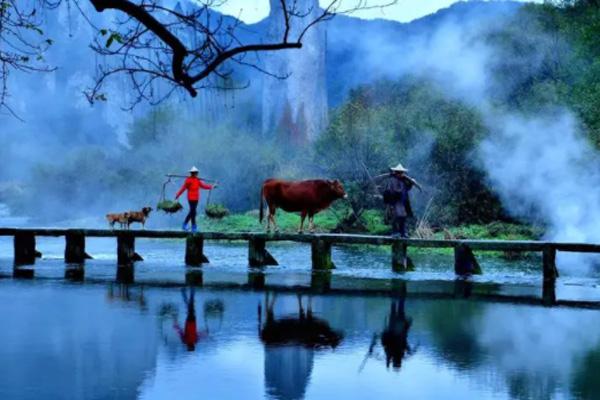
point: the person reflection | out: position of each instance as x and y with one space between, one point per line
394 337
189 335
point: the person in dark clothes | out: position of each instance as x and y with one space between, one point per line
397 198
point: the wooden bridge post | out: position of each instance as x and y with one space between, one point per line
194 277
401 262
258 255
549 292
465 262
321 254
256 279
125 248
125 273
75 247
24 245
194 251
75 272
463 288
549 263
320 281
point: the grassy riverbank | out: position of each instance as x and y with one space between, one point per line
373 220
374 224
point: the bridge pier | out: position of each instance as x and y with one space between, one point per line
194 277
256 279
549 263
75 247
258 255
194 251
321 254
125 249
320 281
24 246
401 262
465 262
23 272
75 272
125 273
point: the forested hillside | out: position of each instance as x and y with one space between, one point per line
438 94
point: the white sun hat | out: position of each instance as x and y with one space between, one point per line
194 169
399 168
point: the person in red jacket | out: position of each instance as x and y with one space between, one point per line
192 184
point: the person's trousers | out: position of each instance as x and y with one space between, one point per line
399 226
192 213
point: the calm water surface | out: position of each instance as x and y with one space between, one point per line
160 338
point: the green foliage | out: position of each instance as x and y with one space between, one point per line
169 206
414 122
216 211
496 230
325 221
565 41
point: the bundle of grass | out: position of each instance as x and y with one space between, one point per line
216 211
169 206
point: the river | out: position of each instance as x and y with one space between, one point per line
361 332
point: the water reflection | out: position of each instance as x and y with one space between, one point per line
189 335
297 347
394 337
125 293
290 343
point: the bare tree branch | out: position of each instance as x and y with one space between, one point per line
157 46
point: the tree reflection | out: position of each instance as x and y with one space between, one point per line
454 333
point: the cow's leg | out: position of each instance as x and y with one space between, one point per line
269 222
272 216
311 223
302 217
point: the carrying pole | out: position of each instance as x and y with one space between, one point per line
187 176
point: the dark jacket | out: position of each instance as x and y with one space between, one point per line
396 195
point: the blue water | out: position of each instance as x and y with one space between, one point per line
99 339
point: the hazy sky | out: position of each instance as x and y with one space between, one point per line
404 10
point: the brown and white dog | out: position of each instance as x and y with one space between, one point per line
138 216
121 218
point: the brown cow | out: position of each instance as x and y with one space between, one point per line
306 197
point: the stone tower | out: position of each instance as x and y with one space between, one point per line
295 109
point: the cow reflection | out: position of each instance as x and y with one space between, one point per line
124 293
290 343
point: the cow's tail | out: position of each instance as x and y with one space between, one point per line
262 205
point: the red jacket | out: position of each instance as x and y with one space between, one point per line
193 185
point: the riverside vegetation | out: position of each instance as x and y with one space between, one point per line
410 119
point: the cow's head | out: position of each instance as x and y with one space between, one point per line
146 210
338 189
